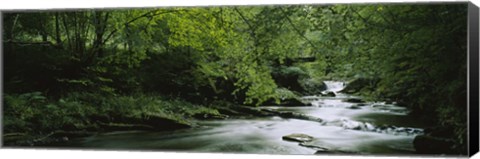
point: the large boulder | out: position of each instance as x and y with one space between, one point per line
298 137
319 152
292 115
436 140
289 77
312 86
300 116
326 148
358 84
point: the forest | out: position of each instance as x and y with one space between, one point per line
77 72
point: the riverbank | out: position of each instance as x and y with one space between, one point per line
32 119
444 119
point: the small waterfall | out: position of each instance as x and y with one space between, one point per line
334 86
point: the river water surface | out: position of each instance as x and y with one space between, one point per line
373 128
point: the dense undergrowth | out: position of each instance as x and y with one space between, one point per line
33 113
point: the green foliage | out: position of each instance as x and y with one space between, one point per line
220 45
242 54
33 113
284 93
417 51
21 111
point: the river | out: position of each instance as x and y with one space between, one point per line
373 128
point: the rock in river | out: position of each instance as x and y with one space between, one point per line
328 94
353 100
353 107
298 137
326 148
361 104
335 152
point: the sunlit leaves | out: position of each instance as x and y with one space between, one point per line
197 28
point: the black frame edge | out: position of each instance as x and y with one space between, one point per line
1 80
473 51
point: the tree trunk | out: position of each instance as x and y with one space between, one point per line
12 33
57 31
67 30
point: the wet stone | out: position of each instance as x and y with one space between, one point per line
313 146
328 94
298 137
325 148
353 107
361 104
353 100
335 152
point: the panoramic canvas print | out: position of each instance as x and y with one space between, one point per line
356 79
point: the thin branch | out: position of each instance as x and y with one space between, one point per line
12 34
29 43
146 15
252 31
365 20
150 14
298 31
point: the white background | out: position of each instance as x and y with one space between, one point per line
87 154
49 4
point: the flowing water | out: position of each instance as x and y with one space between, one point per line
372 128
